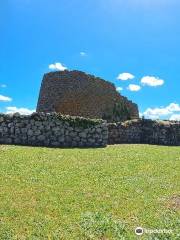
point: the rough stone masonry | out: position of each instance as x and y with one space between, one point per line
52 130
55 130
79 94
145 131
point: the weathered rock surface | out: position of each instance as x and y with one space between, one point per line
43 129
55 130
145 131
79 94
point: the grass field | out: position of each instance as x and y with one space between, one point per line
100 193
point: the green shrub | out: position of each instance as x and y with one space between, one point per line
79 121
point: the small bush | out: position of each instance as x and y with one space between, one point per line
79 121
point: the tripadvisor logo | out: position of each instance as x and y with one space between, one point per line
139 231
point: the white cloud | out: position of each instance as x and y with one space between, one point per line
133 87
23 111
119 88
125 76
156 113
152 81
175 117
173 107
140 114
5 99
163 112
57 66
83 54
3 85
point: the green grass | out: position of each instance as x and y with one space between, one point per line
88 193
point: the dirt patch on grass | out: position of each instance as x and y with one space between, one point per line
3 147
174 202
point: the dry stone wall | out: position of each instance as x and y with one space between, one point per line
55 130
79 94
145 131
52 130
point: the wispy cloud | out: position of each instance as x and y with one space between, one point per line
83 54
152 81
57 66
3 85
5 99
171 112
23 111
119 88
173 107
134 87
125 76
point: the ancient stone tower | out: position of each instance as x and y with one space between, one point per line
79 94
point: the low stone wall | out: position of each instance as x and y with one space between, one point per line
145 131
55 130
43 129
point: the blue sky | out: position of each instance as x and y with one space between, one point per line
136 37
